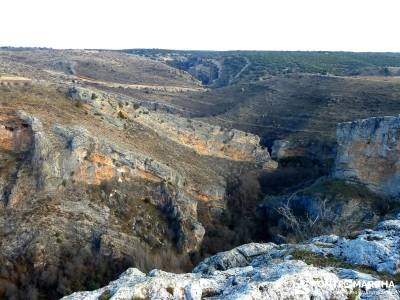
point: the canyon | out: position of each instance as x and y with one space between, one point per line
153 165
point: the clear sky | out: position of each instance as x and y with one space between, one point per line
354 25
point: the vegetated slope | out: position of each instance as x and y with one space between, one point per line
223 68
300 106
283 107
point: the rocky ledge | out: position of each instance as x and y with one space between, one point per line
206 139
327 267
203 138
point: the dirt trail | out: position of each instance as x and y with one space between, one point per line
248 63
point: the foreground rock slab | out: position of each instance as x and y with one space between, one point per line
364 268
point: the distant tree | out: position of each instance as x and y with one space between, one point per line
386 71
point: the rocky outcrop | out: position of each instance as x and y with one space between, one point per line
82 157
206 139
92 160
369 152
97 98
16 139
377 249
82 94
340 269
15 134
203 138
72 154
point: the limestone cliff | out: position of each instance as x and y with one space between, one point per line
71 189
72 154
206 139
369 152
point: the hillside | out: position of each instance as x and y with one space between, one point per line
160 159
224 68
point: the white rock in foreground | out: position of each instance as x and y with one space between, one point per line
269 271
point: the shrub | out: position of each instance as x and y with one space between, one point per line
78 104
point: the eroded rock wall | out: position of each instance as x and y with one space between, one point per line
16 138
72 154
206 139
369 152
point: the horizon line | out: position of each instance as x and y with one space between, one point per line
193 50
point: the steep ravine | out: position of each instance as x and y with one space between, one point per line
93 183
365 259
81 206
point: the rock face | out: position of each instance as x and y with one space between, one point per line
97 179
269 271
15 135
73 154
203 138
16 139
369 152
100 202
206 139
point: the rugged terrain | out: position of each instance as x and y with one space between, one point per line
158 159
325 267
